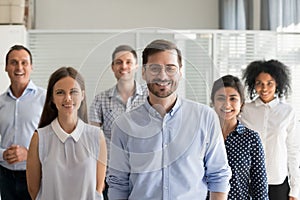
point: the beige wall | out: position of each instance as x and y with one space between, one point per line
126 14
9 36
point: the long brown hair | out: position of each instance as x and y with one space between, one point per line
50 111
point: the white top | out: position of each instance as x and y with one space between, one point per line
69 162
276 124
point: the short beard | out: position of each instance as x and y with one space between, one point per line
158 93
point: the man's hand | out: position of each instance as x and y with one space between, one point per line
15 154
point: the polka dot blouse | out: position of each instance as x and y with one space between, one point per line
247 161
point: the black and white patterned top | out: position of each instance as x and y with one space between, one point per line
247 161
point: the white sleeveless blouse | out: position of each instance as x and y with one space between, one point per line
69 162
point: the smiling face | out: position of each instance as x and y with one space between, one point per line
162 85
265 86
19 67
227 103
124 65
67 96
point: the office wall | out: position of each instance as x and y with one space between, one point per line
126 14
9 36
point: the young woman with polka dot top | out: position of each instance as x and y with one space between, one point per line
244 148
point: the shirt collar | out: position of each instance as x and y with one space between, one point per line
62 135
138 90
271 104
113 92
152 111
176 106
30 87
240 128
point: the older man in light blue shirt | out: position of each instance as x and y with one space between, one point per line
18 120
169 148
20 107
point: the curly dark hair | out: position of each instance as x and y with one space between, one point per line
275 68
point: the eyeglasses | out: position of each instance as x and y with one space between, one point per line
155 69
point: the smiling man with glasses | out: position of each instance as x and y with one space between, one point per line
169 147
155 69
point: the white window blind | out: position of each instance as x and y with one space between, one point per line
89 52
207 56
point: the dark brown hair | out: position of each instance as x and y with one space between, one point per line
276 69
228 81
159 46
123 48
50 111
17 48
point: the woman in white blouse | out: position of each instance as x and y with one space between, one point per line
268 83
67 156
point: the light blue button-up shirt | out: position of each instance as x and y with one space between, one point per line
19 118
178 156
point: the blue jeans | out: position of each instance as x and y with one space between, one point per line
13 185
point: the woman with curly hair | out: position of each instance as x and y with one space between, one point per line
268 84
